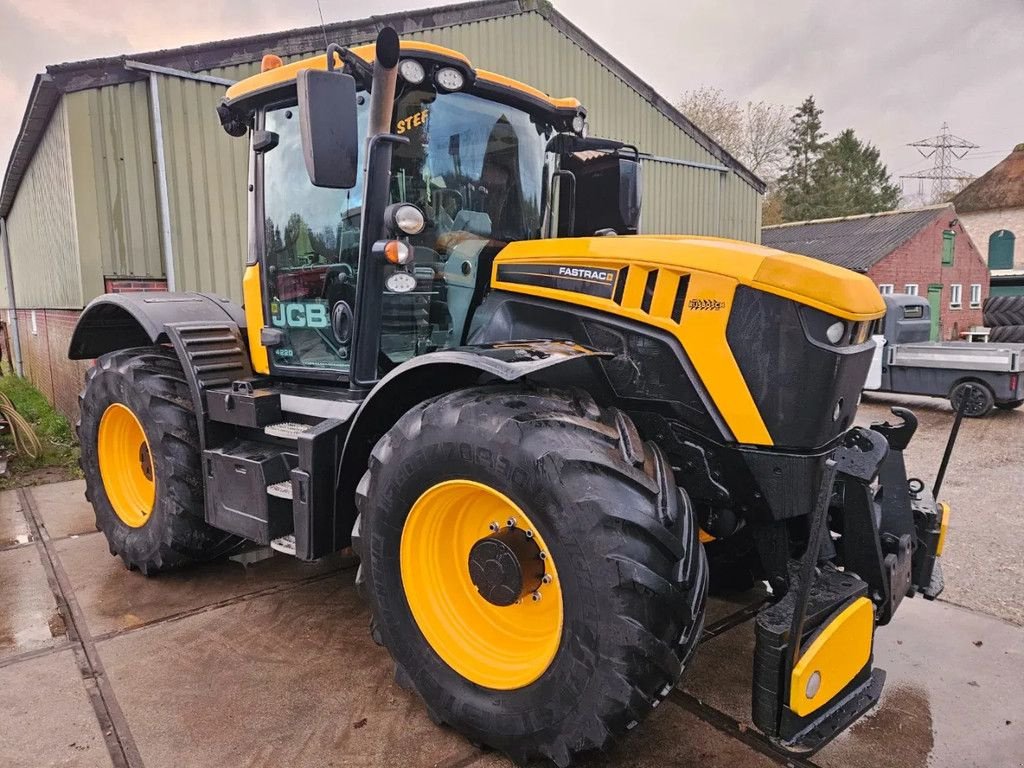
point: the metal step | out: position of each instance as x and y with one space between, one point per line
282 490
289 430
285 545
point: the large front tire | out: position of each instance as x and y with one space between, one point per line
613 626
141 460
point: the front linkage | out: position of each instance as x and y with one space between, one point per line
812 663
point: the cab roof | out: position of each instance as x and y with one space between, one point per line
479 79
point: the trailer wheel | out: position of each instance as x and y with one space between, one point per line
531 566
140 456
980 399
1009 405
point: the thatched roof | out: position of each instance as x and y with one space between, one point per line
1001 187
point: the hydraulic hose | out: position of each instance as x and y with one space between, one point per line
26 441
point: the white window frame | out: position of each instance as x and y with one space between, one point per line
885 288
910 289
975 296
956 296
35 328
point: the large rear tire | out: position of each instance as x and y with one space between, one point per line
621 583
140 456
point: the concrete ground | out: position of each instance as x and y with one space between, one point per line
270 664
984 558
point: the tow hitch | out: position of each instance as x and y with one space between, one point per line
874 537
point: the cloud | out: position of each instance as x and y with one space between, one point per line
893 71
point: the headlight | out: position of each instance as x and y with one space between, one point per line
411 71
834 332
579 124
449 79
406 218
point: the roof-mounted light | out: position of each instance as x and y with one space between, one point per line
271 61
411 71
449 79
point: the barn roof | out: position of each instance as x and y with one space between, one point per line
95 73
854 242
1001 187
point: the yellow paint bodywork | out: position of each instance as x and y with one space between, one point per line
122 451
498 647
837 654
943 528
716 267
287 73
252 298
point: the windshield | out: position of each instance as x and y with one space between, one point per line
476 169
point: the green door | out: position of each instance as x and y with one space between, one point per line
935 301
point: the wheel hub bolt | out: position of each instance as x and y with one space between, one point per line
543 555
494 527
547 578
511 522
536 596
529 534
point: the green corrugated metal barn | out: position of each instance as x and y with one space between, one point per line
121 168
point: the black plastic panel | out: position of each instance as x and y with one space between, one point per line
807 393
236 480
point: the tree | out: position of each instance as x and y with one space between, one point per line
840 177
850 178
754 134
806 141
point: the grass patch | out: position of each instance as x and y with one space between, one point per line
59 457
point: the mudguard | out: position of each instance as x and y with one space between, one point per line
120 320
434 374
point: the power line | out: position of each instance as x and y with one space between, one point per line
944 149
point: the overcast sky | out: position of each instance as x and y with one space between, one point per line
894 70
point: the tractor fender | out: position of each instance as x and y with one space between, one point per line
121 320
434 374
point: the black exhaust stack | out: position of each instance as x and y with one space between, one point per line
376 197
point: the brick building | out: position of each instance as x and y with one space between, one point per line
923 251
992 209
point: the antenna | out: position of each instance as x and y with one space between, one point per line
322 25
945 148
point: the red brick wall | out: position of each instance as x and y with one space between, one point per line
919 260
134 284
44 356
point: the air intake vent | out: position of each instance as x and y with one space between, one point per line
652 280
680 300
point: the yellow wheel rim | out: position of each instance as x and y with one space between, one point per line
495 646
126 465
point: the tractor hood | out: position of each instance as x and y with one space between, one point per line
615 268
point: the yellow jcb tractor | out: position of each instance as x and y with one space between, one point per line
537 427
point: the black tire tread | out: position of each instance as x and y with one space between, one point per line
661 610
182 536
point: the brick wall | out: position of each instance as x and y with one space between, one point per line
981 224
134 284
919 261
44 356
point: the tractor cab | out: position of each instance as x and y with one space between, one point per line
474 161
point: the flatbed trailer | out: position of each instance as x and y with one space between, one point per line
988 374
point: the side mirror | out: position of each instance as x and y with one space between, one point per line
327 123
606 193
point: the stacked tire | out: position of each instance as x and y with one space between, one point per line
1004 315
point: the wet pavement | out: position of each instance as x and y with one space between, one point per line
270 664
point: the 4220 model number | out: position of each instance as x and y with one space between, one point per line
705 305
